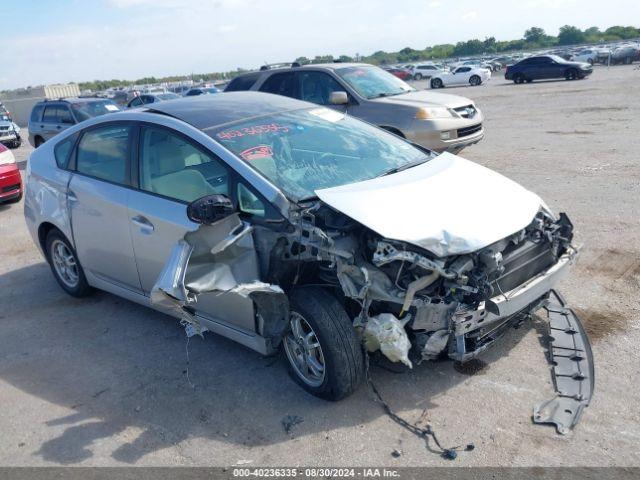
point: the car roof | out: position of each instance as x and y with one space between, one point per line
207 111
76 100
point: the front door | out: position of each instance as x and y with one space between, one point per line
97 199
173 171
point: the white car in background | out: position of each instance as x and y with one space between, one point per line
464 75
425 70
587 56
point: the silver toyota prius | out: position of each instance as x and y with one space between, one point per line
287 226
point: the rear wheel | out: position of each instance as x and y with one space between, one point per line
417 76
38 141
65 265
475 80
436 83
322 348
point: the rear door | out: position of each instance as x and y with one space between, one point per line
97 197
172 172
281 84
55 119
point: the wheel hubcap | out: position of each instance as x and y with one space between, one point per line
64 263
304 351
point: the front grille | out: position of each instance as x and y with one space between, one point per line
466 131
4 128
468 111
10 188
523 262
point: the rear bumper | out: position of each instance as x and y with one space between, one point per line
10 182
492 318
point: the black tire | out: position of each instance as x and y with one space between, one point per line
344 368
529 80
571 74
436 83
475 80
417 76
16 144
519 78
78 289
38 141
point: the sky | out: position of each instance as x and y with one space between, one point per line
59 41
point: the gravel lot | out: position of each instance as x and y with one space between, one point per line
102 381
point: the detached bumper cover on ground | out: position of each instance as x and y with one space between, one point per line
573 371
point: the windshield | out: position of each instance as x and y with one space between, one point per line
373 82
557 59
307 150
86 110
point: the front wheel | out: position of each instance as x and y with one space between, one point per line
436 83
571 74
322 348
519 78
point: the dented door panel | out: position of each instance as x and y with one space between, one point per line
153 248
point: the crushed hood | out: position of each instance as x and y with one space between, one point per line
447 205
425 98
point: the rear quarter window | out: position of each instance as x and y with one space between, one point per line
242 83
36 113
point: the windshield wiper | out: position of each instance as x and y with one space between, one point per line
405 166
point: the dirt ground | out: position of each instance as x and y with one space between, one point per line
102 381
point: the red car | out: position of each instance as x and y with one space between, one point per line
401 73
10 179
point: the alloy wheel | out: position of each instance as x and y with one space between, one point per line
64 263
304 352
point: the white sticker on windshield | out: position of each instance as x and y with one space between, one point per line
111 108
327 114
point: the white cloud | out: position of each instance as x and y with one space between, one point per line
470 15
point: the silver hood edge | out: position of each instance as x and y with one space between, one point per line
448 205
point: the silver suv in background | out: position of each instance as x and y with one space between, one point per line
50 117
437 121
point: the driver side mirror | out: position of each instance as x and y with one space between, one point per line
338 98
210 209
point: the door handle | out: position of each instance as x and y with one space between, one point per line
145 225
72 196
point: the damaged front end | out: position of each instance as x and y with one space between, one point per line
404 301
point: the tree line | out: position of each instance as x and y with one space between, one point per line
533 38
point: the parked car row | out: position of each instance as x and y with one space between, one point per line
10 179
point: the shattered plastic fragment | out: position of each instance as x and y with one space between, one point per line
386 333
436 343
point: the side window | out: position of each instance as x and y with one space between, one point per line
64 115
62 151
147 99
316 87
249 203
103 153
50 114
280 84
173 167
36 113
136 102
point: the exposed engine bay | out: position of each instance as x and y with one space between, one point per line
430 296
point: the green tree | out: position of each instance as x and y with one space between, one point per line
623 32
570 35
534 34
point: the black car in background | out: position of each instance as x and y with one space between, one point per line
545 67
